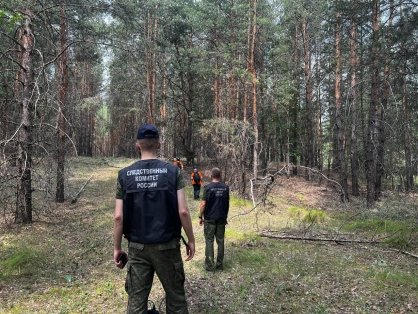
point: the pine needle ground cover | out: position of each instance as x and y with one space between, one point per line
62 263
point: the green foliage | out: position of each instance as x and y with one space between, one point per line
315 216
105 288
237 201
20 261
308 215
296 211
10 19
251 257
240 236
377 225
400 241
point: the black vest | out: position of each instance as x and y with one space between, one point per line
150 208
217 201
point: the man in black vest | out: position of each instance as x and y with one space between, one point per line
150 211
214 209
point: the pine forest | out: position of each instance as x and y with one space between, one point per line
278 94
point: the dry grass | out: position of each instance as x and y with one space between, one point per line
62 263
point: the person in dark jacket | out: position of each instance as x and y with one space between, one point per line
150 211
214 209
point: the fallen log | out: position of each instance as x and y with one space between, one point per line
404 252
336 240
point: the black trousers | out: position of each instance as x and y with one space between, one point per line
196 191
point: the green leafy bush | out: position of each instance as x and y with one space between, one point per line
308 215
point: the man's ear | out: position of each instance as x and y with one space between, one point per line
137 147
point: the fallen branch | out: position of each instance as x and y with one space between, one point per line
75 197
107 163
404 252
268 188
289 237
245 213
326 178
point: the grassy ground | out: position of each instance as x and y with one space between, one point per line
62 263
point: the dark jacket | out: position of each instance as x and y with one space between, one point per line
150 208
216 195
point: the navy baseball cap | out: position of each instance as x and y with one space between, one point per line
147 131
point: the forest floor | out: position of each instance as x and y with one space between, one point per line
62 263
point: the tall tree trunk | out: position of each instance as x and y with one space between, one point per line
309 114
353 102
319 161
253 74
163 116
339 163
233 96
151 35
406 136
62 102
24 192
406 129
371 142
381 109
216 90
294 105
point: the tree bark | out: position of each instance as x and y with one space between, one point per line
294 108
253 75
164 116
408 172
216 89
371 141
62 104
406 137
24 193
309 113
339 163
381 137
151 29
353 102
319 160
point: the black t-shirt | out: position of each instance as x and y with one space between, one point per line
216 195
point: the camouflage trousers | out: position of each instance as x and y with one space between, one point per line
144 261
214 230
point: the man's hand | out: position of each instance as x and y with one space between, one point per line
117 233
116 258
190 250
